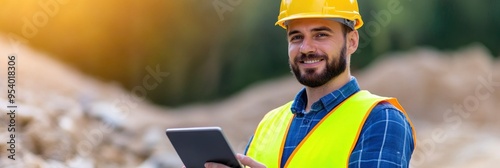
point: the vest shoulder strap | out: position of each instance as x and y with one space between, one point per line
331 141
269 137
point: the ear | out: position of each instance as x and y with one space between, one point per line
352 42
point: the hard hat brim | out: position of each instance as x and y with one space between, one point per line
282 21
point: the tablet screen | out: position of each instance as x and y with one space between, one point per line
198 145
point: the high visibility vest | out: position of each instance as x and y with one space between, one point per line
330 142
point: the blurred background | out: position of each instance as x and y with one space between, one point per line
138 67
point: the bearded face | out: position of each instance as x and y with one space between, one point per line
317 76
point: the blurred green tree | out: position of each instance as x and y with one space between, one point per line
212 49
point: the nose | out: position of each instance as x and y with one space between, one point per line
307 47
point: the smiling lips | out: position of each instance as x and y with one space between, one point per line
311 61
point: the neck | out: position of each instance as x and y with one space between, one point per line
314 94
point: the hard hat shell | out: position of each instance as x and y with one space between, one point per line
298 9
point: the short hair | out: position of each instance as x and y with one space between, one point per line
346 29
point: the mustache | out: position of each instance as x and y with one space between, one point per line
310 56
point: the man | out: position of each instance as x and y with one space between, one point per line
331 122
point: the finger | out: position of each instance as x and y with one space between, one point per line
247 161
214 165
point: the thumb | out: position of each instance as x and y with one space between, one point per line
247 161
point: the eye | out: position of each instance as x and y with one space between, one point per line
322 35
296 38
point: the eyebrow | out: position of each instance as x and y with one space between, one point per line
317 29
322 28
293 32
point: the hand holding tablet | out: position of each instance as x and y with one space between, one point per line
245 160
199 145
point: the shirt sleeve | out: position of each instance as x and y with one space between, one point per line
386 140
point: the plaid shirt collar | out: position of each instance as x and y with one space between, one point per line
328 101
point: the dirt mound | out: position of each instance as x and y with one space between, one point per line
453 99
67 119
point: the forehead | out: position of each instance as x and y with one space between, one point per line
310 23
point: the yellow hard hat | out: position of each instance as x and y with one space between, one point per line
345 11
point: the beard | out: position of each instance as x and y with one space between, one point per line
310 78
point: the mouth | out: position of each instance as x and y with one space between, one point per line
311 61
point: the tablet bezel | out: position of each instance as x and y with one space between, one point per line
198 145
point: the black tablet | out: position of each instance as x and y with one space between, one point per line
198 145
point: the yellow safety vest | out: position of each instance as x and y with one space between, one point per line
330 142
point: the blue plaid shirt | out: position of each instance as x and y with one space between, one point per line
385 140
